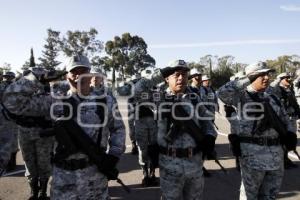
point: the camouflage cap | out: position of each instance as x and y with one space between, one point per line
194 72
78 61
257 68
284 75
205 78
174 66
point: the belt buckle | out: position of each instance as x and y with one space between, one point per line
171 151
190 152
261 141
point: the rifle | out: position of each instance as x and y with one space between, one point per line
88 146
191 128
277 124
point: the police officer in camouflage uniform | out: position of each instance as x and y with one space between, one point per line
74 175
180 160
131 115
281 88
26 102
145 130
196 78
6 140
261 153
10 126
208 95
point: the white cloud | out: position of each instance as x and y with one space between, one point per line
290 8
224 43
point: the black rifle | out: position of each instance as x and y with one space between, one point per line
276 123
191 128
85 144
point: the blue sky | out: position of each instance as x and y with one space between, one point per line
248 30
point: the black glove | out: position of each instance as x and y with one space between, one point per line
108 166
109 162
209 146
235 145
228 110
167 71
290 141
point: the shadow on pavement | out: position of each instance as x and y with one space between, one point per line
18 172
137 193
128 163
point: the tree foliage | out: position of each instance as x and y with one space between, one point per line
51 50
5 67
81 43
128 54
31 60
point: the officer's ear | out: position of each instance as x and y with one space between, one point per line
167 79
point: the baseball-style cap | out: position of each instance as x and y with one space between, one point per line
257 68
78 61
205 78
284 75
194 72
175 66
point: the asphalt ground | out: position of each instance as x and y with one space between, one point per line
220 186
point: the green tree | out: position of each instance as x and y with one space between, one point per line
51 50
5 67
196 65
129 54
31 60
81 43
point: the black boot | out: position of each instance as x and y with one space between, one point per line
146 179
154 181
34 186
43 189
134 150
12 162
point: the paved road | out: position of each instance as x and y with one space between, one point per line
218 187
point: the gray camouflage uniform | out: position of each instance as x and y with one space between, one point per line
207 94
6 140
89 183
145 125
10 127
26 97
180 178
261 165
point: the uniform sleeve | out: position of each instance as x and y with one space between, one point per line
230 93
116 128
22 99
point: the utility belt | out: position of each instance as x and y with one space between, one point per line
262 141
73 164
179 152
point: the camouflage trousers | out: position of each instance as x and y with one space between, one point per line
260 184
181 179
131 129
146 134
36 152
6 141
83 184
15 145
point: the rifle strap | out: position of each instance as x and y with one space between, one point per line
100 112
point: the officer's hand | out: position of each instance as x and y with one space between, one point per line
109 162
290 141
